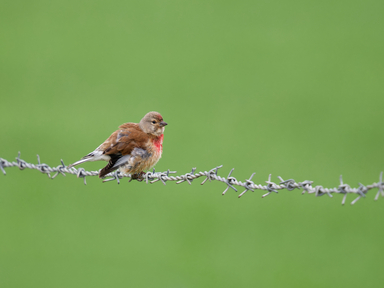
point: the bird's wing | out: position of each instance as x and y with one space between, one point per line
119 147
120 143
124 141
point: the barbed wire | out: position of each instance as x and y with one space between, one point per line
230 181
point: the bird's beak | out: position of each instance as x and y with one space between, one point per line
162 123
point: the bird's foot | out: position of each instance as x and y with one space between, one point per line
138 176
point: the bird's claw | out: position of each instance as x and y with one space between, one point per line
138 176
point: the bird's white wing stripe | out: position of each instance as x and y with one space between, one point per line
124 159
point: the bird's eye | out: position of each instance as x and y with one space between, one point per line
153 122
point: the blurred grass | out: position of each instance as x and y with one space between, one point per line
288 88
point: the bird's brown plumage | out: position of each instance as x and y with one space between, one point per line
125 140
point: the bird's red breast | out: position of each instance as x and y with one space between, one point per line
158 142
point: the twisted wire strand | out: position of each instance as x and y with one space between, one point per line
230 181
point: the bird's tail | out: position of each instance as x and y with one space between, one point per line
87 158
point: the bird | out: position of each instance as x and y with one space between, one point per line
133 148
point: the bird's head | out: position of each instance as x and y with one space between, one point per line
152 123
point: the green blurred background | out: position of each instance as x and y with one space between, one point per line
292 88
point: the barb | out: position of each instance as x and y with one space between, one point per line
153 176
